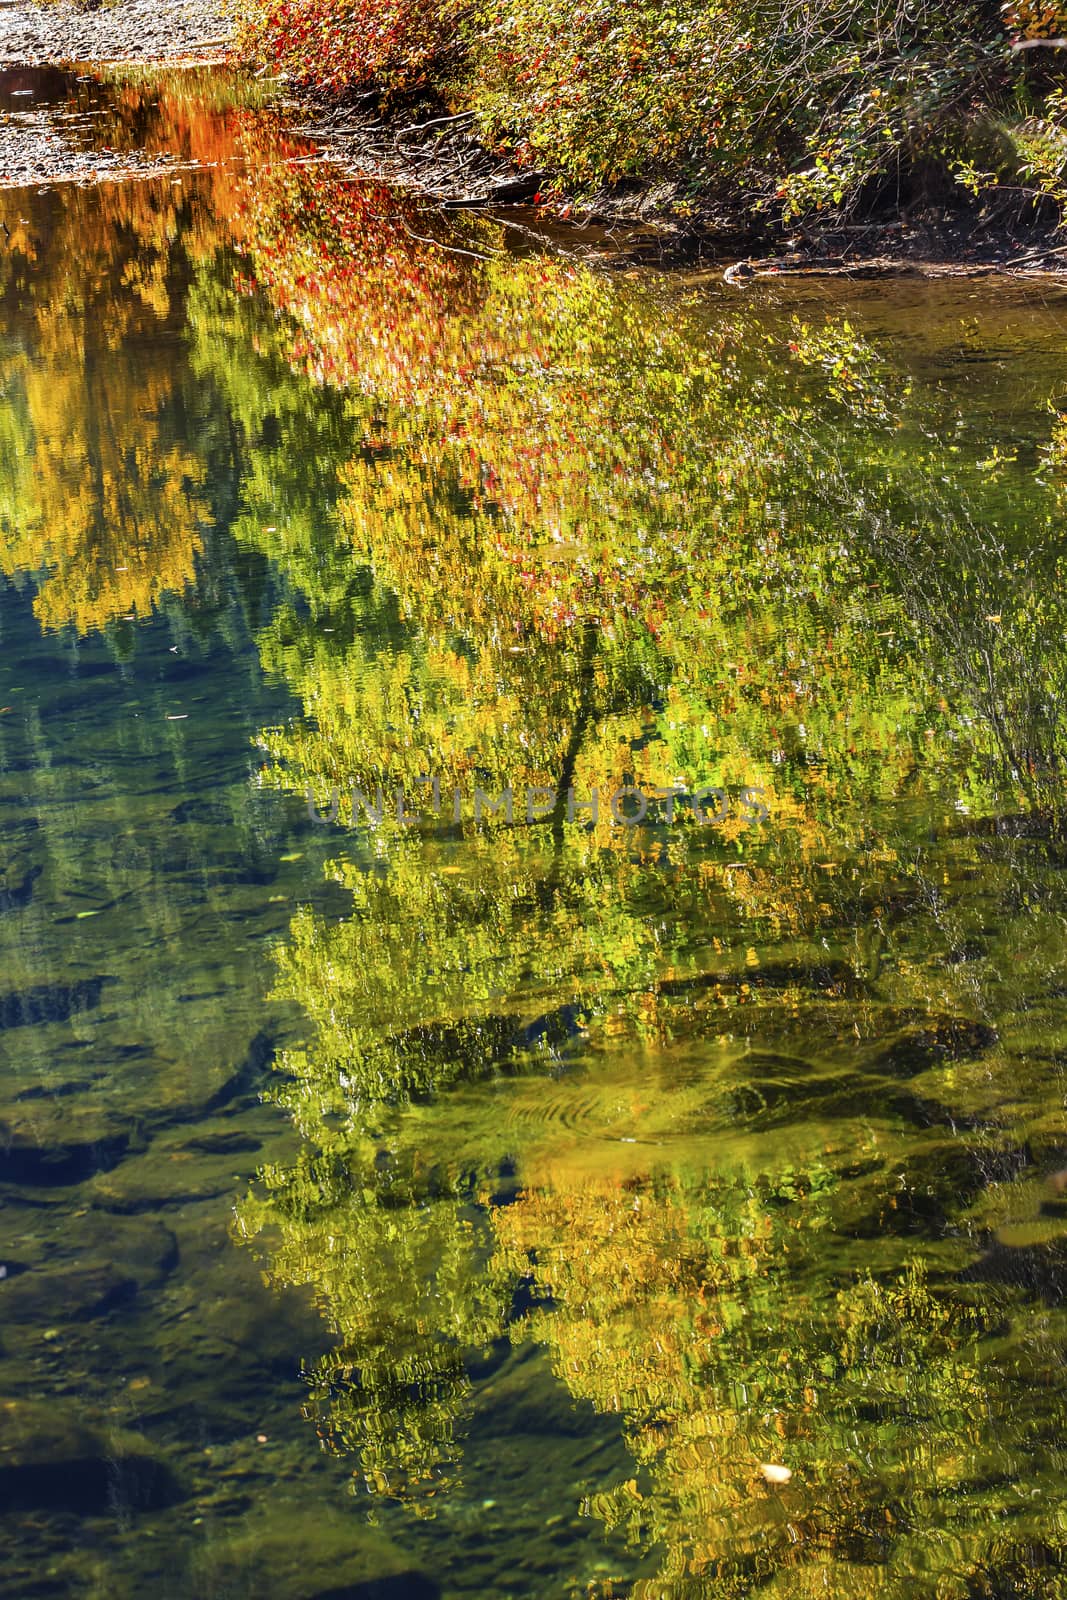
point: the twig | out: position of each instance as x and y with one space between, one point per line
453 248
1037 255
436 122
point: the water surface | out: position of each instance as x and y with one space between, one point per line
418 1180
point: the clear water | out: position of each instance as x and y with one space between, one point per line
401 1197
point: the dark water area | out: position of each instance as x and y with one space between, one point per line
533 904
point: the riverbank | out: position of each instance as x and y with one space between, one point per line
725 126
422 148
134 30
413 139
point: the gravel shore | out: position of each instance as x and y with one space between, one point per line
133 30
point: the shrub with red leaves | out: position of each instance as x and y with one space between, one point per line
347 44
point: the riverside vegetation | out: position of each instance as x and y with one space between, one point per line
771 110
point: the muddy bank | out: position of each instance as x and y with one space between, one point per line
135 30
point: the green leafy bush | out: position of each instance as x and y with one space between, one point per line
792 106
808 104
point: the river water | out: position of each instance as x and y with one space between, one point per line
533 902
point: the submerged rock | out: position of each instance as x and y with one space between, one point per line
50 1002
51 1461
244 1078
399 1586
930 1044
1037 1271
77 1268
190 1163
928 1186
74 1295
307 1553
831 977
15 896
49 1141
209 1067
780 1101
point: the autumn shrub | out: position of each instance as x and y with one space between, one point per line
812 104
604 90
1035 19
347 44
792 106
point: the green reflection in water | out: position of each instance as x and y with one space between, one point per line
746 1128
727 1106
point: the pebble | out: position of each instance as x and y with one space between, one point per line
133 30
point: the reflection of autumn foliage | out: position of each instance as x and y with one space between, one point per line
401 1291
527 448
372 302
191 116
576 531
538 451
106 490
439 973
670 1278
103 491
687 1310
692 1305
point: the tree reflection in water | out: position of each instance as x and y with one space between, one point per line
718 1116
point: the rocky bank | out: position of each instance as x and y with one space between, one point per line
135 30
